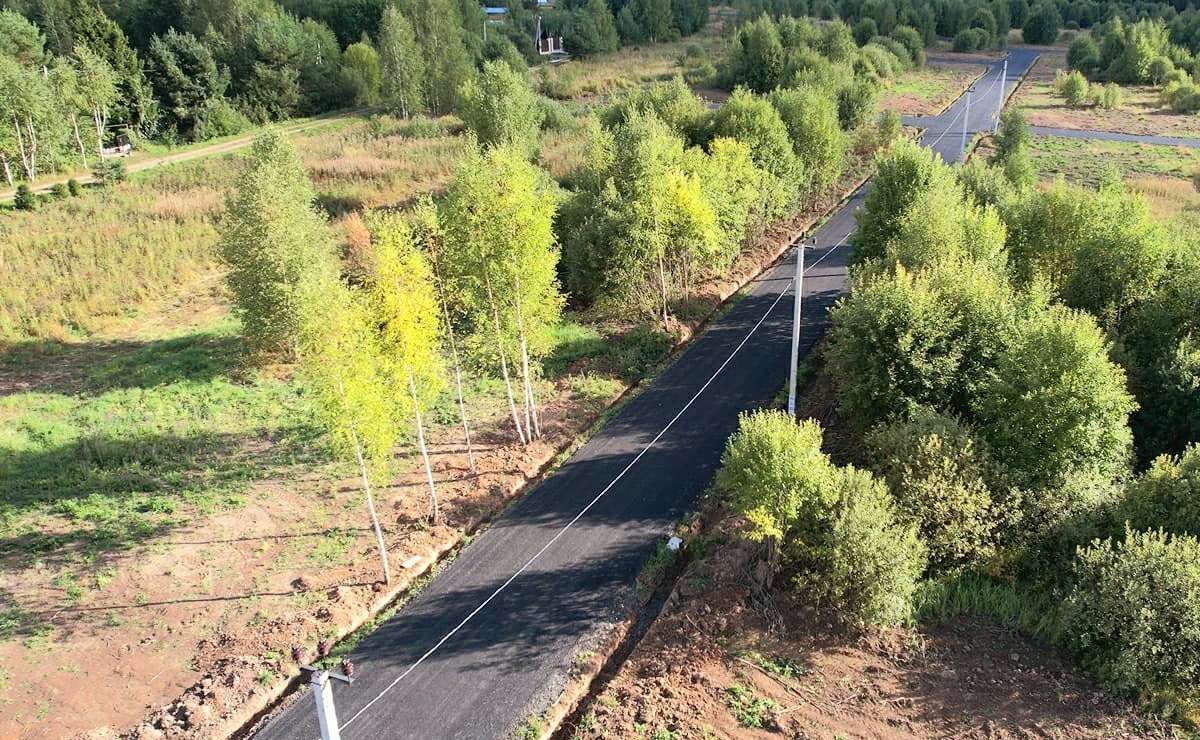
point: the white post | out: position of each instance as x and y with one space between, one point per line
1000 104
798 288
966 117
322 688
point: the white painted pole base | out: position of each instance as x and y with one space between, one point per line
798 288
322 687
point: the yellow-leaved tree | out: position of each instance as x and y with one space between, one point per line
404 306
343 368
501 256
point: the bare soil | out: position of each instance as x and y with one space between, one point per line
969 678
930 90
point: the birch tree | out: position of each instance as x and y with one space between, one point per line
404 306
71 99
272 239
402 63
428 232
98 85
27 106
342 367
500 252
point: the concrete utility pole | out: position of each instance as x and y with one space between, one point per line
798 289
966 117
322 688
1000 103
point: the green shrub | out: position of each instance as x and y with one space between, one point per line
774 473
985 183
930 338
1055 404
59 191
901 173
753 121
811 119
856 100
74 188
555 116
1160 69
866 564
109 172
937 473
1133 615
1108 97
888 129
25 200
971 39
1167 496
1042 25
912 41
865 30
500 108
1073 87
672 102
1084 55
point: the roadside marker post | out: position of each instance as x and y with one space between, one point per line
1000 103
966 117
798 289
322 688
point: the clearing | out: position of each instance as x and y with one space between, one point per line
1139 113
929 90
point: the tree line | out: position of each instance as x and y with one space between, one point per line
1017 371
190 71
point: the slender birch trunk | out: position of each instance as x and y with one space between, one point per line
7 170
462 407
662 284
531 411
22 151
79 140
98 120
33 147
433 499
512 401
366 483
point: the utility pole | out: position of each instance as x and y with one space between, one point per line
966 117
322 689
798 289
1000 103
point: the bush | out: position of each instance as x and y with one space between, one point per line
971 39
556 117
986 184
109 172
906 340
1167 496
888 129
937 474
1160 69
774 473
1133 615
755 122
1074 88
911 39
1110 97
500 107
74 188
811 119
901 173
865 30
1084 55
25 200
59 191
867 563
856 100
1056 405
221 119
672 102
756 56
1042 25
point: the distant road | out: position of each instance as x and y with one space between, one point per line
138 165
493 638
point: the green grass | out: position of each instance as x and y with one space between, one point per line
654 570
1085 161
162 431
784 668
629 354
974 595
749 709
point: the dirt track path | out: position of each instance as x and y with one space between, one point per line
241 142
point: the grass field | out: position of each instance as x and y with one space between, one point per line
1086 160
927 91
1139 113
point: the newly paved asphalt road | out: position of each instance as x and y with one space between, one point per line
502 646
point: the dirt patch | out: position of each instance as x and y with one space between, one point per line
1140 112
714 667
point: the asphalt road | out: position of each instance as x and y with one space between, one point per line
492 639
